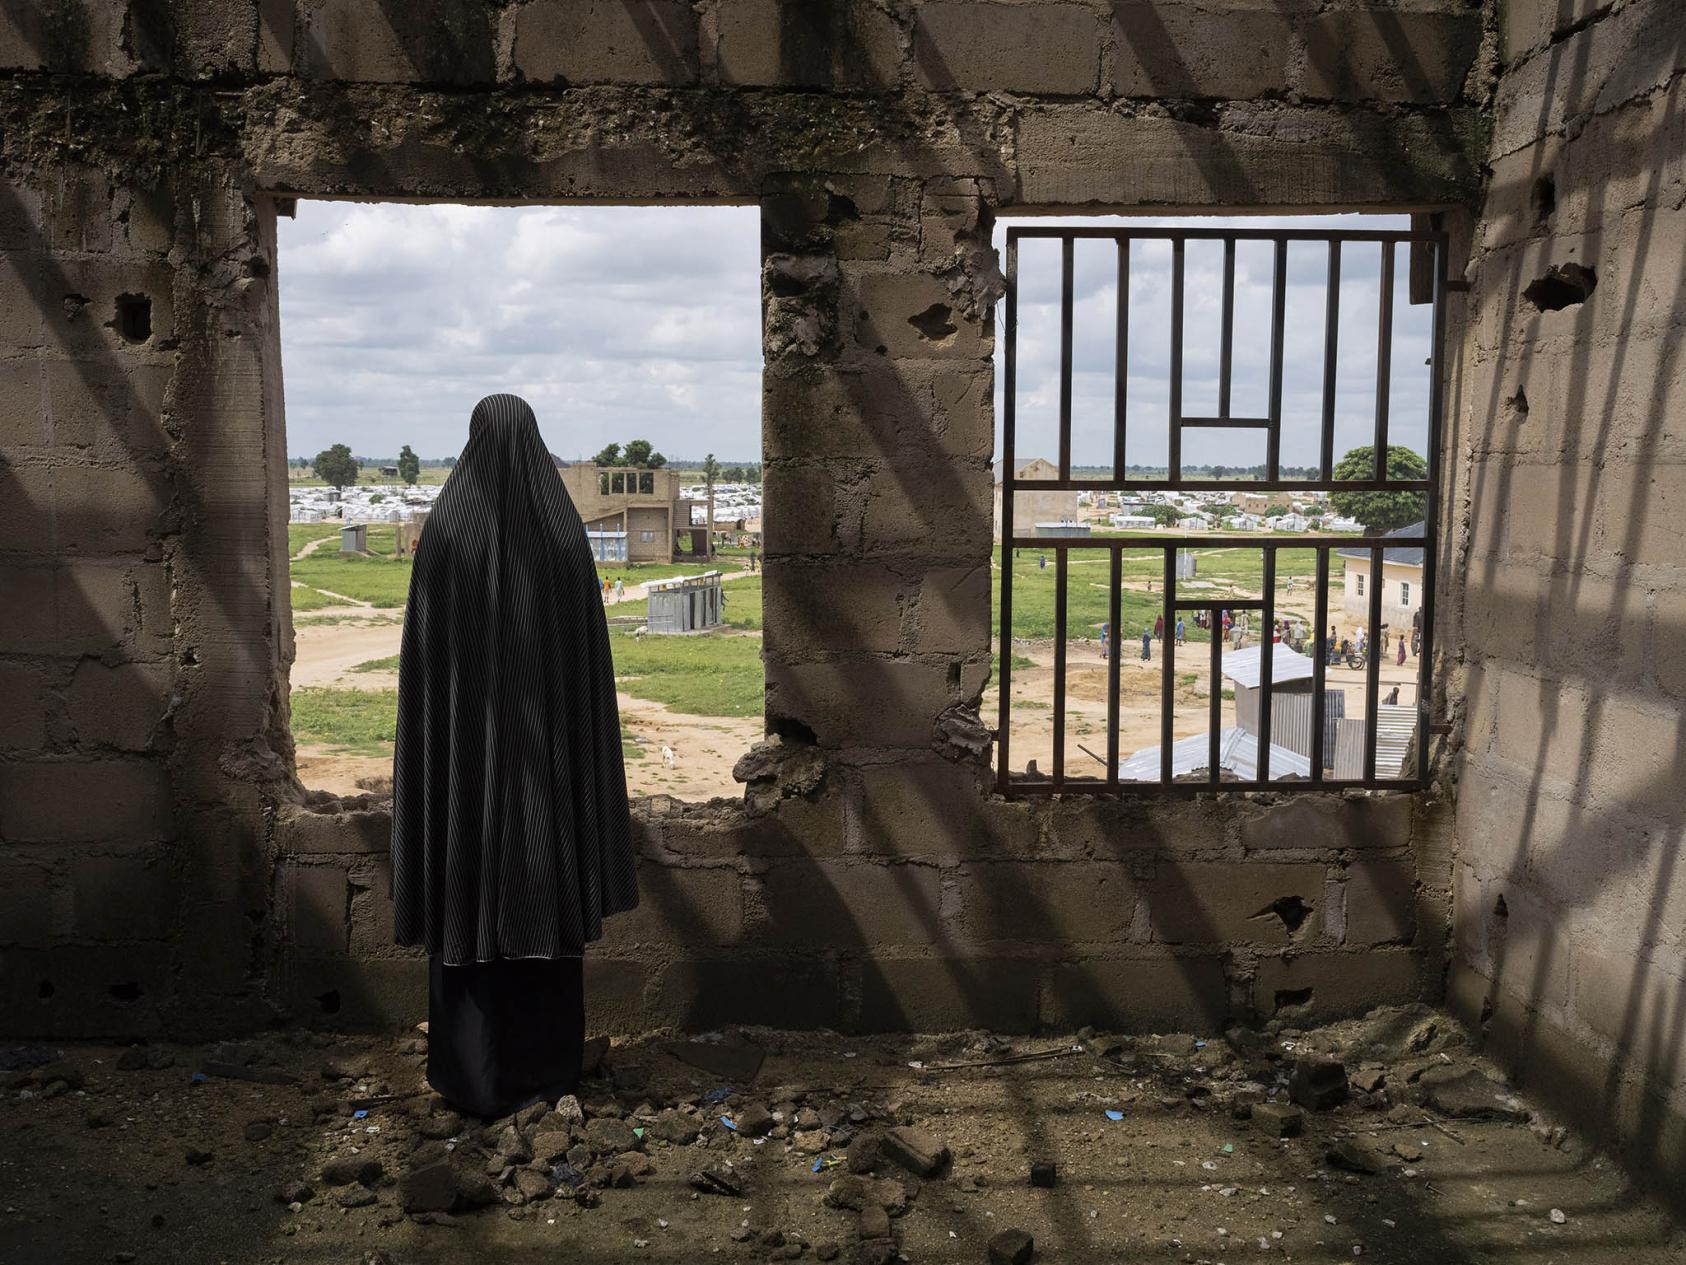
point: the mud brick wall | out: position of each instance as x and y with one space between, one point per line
160 868
1571 451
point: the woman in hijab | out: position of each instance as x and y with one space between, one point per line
511 839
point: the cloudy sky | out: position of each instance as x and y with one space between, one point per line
644 322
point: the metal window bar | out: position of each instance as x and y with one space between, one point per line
1320 763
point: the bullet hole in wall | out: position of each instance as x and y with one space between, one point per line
1544 199
1562 286
73 305
934 322
44 990
1292 910
1292 999
133 321
329 1001
128 990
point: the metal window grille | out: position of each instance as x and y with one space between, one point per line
1428 273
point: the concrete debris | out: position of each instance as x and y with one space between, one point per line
1011 1247
1278 1120
1354 1156
1466 1093
352 1168
1318 1084
916 1150
717 1179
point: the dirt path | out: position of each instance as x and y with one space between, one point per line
310 547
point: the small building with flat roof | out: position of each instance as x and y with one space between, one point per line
684 604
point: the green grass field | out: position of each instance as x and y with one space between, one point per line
382 581
1233 571
354 722
700 676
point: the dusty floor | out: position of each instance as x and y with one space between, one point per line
182 1160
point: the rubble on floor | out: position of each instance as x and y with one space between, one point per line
1384 1136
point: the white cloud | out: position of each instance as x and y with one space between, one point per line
614 322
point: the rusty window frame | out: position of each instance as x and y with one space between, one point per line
1428 250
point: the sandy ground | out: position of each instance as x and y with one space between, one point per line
148 1166
704 747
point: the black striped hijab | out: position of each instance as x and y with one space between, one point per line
510 831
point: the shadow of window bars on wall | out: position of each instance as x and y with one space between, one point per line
1297 684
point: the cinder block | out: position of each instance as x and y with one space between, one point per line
359 42
614 995
832 606
111 409
952 613
821 410
1377 54
23 718
1041 48
935 811
357 995
1321 823
913 316
604 41
785 992
26 904
802 514
121 897
1049 902
307 832
1380 902
371 909
317 904
85 990
23 422
119 705
23 301
1341 984
861 701
945 994
75 801
965 415
84 509
850 904
1181 994
214 37
821 43
939 511
1117 828
1177 50
1628 1000
698 907
1221 902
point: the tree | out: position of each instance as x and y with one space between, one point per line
336 466
734 474
1380 511
409 465
1164 515
639 453
1275 511
711 471
609 456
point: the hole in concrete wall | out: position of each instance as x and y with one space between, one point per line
934 322
1517 404
1291 910
636 334
329 1001
133 321
840 208
73 305
44 990
1544 199
1562 286
1501 910
791 729
1291 999
128 990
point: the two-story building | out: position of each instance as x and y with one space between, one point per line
1401 580
645 505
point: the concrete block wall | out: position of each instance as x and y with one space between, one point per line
160 868
1570 447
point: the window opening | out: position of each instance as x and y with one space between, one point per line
1215 424
396 319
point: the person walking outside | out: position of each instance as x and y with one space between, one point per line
1401 650
1147 642
1106 627
620 587
1179 630
511 833
1159 627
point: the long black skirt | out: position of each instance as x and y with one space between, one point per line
503 1034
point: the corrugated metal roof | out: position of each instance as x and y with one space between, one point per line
1286 664
1410 555
1238 753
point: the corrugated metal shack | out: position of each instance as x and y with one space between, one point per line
684 604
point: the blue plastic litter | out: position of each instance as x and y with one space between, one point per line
1199 1044
359 1114
198 1078
718 1095
1114 1115
567 1173
817 1166
727 1121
